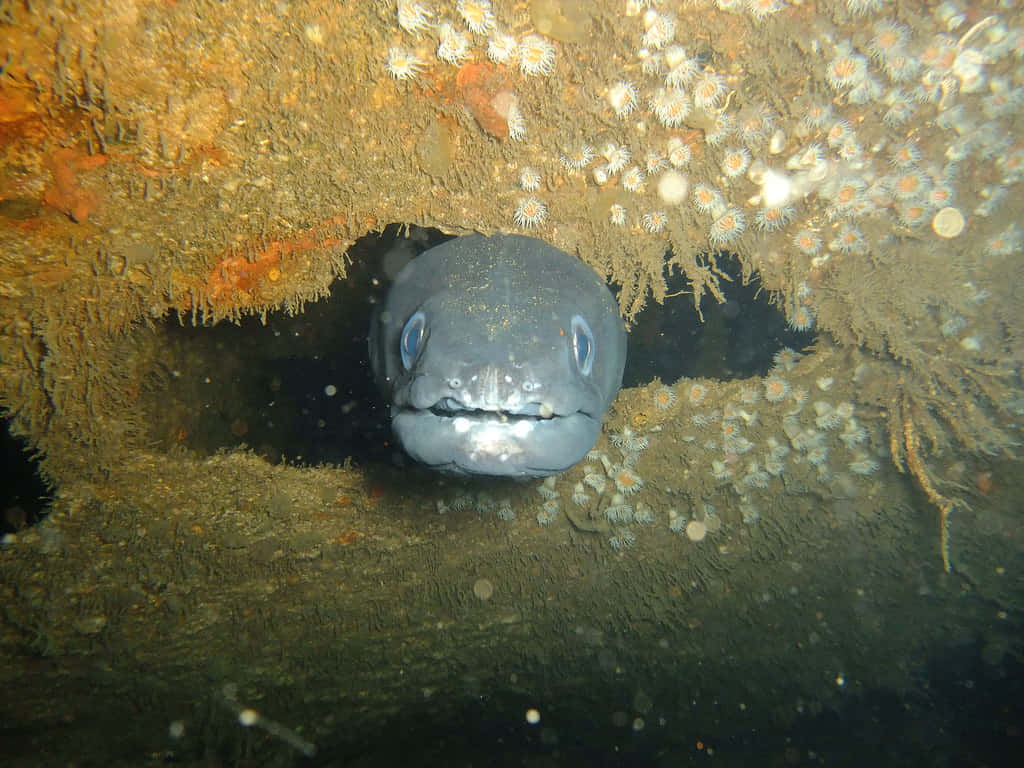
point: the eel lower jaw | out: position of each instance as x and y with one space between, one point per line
495 443
476 422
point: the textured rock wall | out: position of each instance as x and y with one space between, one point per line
862 158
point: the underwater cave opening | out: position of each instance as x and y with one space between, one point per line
299 388
24 494
736 339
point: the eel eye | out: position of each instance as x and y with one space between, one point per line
582 345
412 335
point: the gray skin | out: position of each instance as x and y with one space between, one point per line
505 380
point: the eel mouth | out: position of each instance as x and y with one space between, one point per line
449 407
487 415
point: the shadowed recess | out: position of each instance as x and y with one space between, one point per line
737 339
299 388
23 494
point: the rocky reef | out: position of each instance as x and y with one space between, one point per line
861 159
